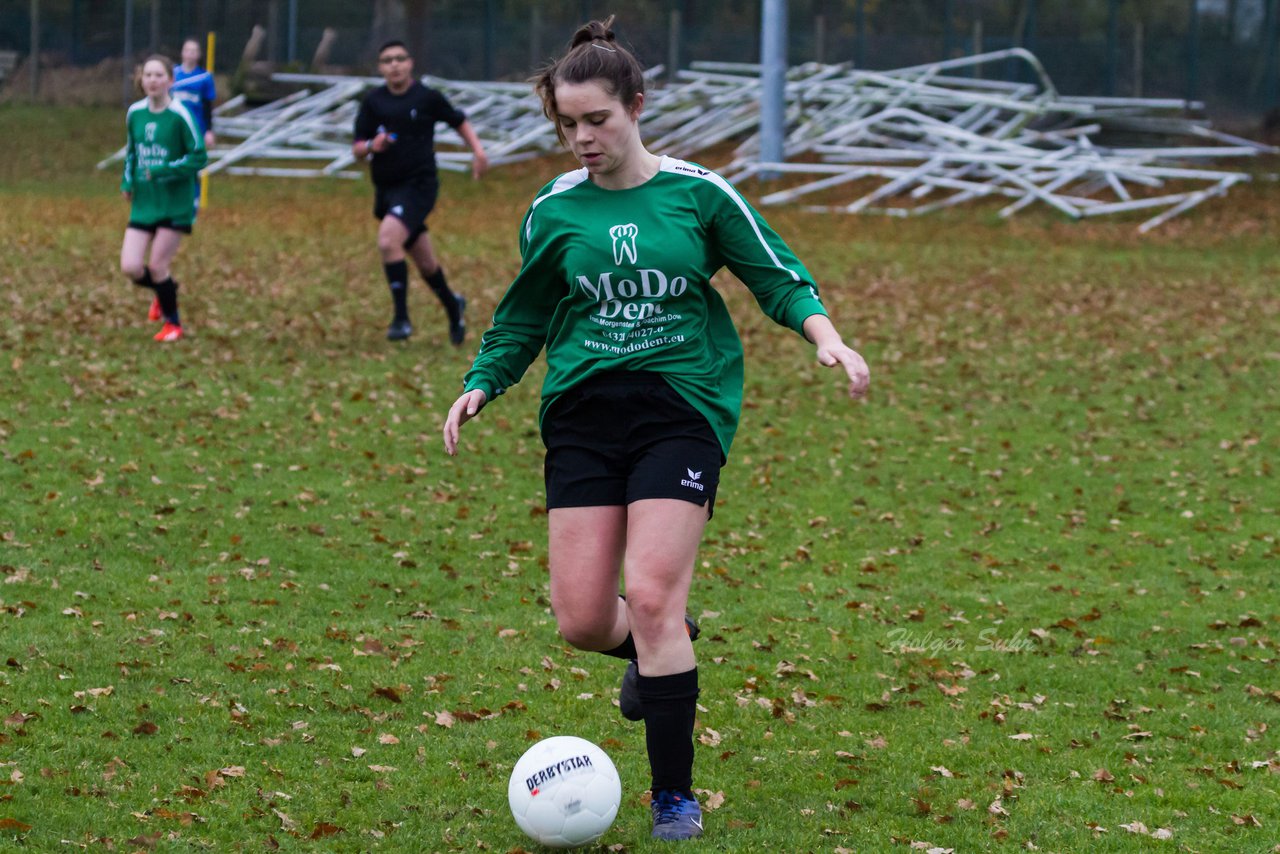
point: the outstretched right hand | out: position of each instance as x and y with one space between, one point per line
463 410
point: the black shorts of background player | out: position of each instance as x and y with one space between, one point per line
395 130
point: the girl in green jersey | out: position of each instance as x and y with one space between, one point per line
164 153
643 387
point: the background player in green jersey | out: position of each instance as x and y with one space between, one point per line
643 387
164 152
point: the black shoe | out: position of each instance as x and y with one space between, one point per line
629 695
399 330
458 328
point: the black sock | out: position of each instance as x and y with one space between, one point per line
440 288
167 293
670 706
398 280
145 281
626 649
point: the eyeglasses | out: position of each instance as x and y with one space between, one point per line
387 60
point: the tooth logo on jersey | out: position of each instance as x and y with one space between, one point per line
624 243
692 481
631 298
150 131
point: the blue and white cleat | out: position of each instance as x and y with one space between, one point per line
675 816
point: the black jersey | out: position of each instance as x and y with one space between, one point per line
412 118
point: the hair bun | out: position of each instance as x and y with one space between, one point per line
594 31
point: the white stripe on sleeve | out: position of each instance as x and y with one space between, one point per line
680 167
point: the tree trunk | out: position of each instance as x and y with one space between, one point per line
388 23
415 32
320 60
1020 23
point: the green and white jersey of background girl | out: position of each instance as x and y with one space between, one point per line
164 153
621 280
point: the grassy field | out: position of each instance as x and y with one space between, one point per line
1022 598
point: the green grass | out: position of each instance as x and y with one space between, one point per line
1023 595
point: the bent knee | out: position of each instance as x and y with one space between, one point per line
584 632
654 610
132 270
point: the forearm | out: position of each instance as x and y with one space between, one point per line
468 134
820 331
126 180
501 363
184 167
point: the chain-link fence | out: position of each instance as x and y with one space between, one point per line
1222 52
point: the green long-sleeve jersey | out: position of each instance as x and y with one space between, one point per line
621 280
164 152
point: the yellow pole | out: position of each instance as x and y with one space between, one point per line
211 44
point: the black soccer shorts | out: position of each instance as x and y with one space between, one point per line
411 202
624 436
153 227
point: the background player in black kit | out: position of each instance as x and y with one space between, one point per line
395 129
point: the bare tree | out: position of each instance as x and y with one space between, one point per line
406 20
388 23
417 15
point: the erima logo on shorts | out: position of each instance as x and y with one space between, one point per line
398 210
692 481
624 243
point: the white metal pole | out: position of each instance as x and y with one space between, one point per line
773 58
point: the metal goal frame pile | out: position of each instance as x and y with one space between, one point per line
905 142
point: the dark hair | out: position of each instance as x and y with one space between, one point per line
393 43
593 54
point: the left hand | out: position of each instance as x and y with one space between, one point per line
833 351
465 408
210 140
854 365
479 164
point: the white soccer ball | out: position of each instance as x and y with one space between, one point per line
564 792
